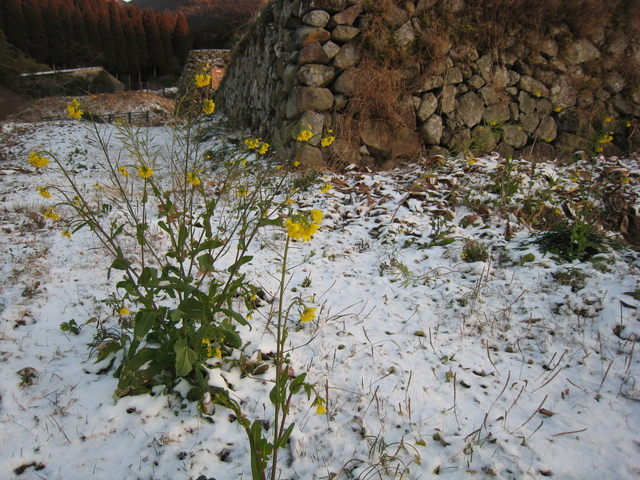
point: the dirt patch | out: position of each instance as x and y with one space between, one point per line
54 108
11 102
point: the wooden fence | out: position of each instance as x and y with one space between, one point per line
131 117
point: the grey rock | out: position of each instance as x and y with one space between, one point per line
309 98
316 75
432 130
548 47
581 51
448 100
453 76
347 57
497 114
533 86
562 94
548 130
499 76
512 78
428 83
405 36
484 64
428 105
330 49
489 95
313 53
307 35
615 82
477 82
315 122
529 122
513 136
309 156
485 138
344 33
346 82
470 109
316 18
527 104
348 16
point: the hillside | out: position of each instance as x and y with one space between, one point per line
214 23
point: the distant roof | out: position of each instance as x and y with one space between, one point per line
67 70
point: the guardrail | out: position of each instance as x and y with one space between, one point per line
130 117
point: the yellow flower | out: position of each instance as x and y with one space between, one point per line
74 110
278 167
304 136
557 109
44 192
50 214
326 188
202 79
557 211
264 148
209 107
252 143
216 353
293 229
327 140
123 171
37 161
628 124
548 140
472 161
537 94
242 192
624 180
320 410
607 120
145 171
206 342
317 216
308 314
605 138
599 149
296 163
124 311
66 233
193 179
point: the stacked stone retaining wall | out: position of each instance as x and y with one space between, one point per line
301 61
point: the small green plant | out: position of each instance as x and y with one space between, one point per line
475 251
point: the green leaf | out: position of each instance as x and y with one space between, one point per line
285 437
236 266
140 229
236 316
144 321
276 222
207 245
185 358
120 264
297 382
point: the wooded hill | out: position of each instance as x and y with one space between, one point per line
120 37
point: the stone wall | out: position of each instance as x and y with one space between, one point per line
307 61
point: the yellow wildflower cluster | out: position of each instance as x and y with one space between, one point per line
242 192
193 179
252 143
537 94
202 80
301 227
124 311
38 161
74 110
263 148
66 233
557 109
208 107
326 188
44 192
145 171
606 138
123 171
211 351
327 140
308 314
304 135
51 215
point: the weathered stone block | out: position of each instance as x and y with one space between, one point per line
514 136
453 76
432 130
347 57
348 16
477 82
377 136
313 53
406 143
346 82
428 105
314 121
533 86
309 98
309 156
307 35
581 51
497 114
405 36
316 18
316 75
562 94
344 33
470 109
529 122
548 129
448 100
331 49
428 83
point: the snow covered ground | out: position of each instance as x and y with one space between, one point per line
519 367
